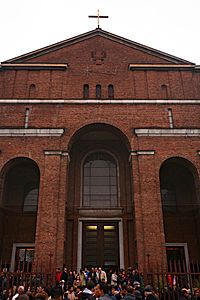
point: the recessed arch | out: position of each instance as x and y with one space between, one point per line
32 92
99 131
103 151
179 186
19 183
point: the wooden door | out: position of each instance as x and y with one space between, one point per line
100 244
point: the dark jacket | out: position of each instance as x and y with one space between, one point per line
129 296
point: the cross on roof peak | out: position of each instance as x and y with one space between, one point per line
98 17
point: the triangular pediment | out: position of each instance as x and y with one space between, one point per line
98 43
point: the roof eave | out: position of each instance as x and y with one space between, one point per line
103 33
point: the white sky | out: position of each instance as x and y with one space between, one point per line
172 26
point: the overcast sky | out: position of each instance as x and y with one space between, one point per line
172 26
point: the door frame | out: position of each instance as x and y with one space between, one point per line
185 247
121 238
14 249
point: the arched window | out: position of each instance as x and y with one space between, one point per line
32 91
30 197
110 91
98 91
100 181
85 91
164 91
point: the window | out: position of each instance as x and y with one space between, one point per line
170 115
32 91
30 198
110 91
100 181
85 91
24 259
26 118
168 200
98 91
164 91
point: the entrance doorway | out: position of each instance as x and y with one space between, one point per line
177 257
100 244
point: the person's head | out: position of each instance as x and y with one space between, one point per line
123 290
79 288
136 284
197 292
185 292
20 290
129 289
90 285
40 289
148 290
137 295
22 297
70 289
100 289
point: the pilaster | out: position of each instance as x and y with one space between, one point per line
49 244
150 239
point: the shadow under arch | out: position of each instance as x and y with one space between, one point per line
19 186
99 131
179 187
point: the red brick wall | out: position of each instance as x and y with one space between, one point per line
147 234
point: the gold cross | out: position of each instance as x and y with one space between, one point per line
98 17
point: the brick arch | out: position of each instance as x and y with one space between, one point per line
98 138
183 161
19 177
13 163
179 185
86 127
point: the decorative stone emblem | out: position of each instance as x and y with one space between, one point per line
98 56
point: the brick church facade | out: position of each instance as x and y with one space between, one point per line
99 156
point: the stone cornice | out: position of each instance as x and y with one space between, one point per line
142 152
56 153
33 66
36 132
134 153
187 132
99 101
161 67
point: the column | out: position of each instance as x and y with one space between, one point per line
65 159
49 244
148 212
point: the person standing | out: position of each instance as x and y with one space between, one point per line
102 276
114 278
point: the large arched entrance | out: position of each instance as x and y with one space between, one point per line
18 209
179 184
99 210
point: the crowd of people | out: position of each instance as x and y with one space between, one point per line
91 285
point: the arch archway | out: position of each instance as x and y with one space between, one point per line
179 185
19 198
100 203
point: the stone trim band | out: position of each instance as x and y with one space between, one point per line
98 101
38 132
167 132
